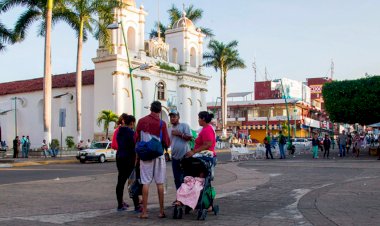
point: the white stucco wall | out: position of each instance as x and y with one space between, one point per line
30 116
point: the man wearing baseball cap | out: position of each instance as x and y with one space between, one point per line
179 134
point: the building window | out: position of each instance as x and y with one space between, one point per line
161 91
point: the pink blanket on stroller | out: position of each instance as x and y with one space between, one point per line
188 193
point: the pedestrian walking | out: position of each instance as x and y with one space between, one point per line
315 144
125 159
16 147
281 144
180 135
148 127
267 148
326 146
342 140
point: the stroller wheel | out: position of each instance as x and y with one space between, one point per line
215 209
199 214
180 213
175 212
204 214
187 210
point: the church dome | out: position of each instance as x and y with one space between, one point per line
183 22
130 2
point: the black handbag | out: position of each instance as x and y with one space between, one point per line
149 150
134 185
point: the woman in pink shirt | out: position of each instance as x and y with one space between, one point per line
206 139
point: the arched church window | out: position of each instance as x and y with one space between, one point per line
131 34
174 56
161 91
193 57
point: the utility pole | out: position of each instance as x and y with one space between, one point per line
254 69
332 69
266 74
158 24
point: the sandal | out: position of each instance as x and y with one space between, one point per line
162 215
143 216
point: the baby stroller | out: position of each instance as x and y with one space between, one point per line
199 167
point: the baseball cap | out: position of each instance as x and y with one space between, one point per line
174 112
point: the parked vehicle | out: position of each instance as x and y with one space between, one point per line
302 143
99 151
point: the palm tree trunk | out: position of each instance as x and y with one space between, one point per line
224 131
47 73
79 82
225 100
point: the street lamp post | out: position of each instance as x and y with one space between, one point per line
270 109
141 67
216 102
286 105
15 99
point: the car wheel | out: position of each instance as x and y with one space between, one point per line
82 161
102 158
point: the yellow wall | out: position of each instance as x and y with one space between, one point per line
259 134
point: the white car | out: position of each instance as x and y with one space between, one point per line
302 144
99 151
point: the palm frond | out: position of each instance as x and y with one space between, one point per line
24 21
194 14
9 4
174 15
207 31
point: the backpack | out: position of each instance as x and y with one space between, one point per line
282 139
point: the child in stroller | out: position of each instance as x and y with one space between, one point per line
196 192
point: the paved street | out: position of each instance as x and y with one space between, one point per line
297 191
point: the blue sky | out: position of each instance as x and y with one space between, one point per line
294 38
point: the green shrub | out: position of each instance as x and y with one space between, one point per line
166 66
70 141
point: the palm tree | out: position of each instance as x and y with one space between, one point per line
42 11
106 117
6 36
83 13
175 14
47 72
223 57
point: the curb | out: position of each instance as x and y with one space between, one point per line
38 163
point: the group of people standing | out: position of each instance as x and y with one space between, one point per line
23 144
324 144
177 137
281 144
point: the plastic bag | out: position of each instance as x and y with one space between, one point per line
134 185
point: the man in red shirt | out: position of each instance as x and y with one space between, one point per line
148 127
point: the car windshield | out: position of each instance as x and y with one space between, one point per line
99 145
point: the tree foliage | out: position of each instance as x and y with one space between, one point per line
175 14
6 36
106 117
353 101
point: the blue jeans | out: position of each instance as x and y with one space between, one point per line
282 152
342 150
177 172
47 152
24 152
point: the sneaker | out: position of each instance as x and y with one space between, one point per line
123 208
125 205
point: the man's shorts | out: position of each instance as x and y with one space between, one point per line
153 169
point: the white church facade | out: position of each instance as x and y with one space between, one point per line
174 78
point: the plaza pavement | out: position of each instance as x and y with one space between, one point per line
89 200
